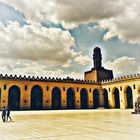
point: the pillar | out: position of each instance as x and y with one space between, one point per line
111 99
24 98
44 97
90 100
4 98
77 98
122 99
63 99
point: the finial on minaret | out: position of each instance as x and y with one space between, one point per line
97 58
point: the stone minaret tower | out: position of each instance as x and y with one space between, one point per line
97 58
98 73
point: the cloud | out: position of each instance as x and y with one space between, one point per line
120 17
123 66
53 46
82 60
126 25
33 68
69 13
34 42
72 13
33 11
37 50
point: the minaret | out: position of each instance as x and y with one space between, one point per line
98 73
97 58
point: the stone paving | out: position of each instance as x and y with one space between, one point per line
72 125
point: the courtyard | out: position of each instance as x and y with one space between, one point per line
71 125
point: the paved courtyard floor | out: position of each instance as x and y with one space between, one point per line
72 125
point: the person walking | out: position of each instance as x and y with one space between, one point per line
4 114
8 114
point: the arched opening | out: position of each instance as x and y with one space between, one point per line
116 98
36 98
96 99
14 98
70 99
105 94
56 98
128 97
84 98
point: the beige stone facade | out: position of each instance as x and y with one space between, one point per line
125 87
46 90
85 94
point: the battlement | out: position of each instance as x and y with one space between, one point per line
45 79
121 78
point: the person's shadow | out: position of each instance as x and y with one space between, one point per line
10 121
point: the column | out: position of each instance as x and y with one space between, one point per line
63 98
77 98
4 98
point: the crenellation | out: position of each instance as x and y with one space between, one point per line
45 78
11 76
131 76
24 77
128 77
20 77
6 76
41 78
68 79
33 78
124 77
37 78
15 76
135 76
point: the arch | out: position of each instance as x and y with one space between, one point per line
36 98
105 94
14 98
128 97
116 98
56 98
96 98
84 98
70 99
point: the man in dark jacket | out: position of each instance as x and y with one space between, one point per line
4 114
8 114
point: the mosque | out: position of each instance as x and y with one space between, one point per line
98 90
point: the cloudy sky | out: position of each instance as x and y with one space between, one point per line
56 37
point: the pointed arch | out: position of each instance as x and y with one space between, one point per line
56 98
96 98
84 98
128 97
105 94
36 98
14 98
116 97
70 98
